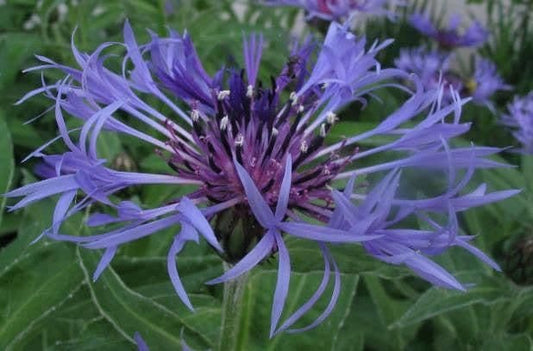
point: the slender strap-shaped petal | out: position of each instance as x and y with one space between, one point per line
284 191
104 261
256 255
478 253
313 299
257 203
332 302
132 233
43 189
61 209
346 207
197 219
432 272
141 344
177 246
320 233
105 114
282 284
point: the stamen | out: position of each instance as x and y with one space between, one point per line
250 91
303 146
331 118
293 98
301 108
224 123
275 132
239 140
323 130
223 94
195 115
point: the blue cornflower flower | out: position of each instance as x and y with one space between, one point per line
433 68
256 155
453 35
335 10
520 119
485 82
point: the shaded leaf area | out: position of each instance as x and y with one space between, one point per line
6 160
253 333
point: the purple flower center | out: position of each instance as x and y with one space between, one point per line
258 127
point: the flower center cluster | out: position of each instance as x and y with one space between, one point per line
258 127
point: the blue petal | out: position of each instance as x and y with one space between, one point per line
177 246
256 255
257 203
104 261
197 219
282 284
285 189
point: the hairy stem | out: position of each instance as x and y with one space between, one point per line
231 311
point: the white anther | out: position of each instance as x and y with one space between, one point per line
224 123
223 94
250 91
301 108
331 117
293 98
195 115
303 146
323 130
239 140
275 132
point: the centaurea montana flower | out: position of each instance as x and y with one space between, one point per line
334 10
453 35
257 157
433 68
520 119
485 82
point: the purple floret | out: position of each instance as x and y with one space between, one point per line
453 35
520 119
335 10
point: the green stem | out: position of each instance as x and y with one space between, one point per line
231 311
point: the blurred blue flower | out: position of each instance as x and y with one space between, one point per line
453 35
433 68
520 119
256 157
335 10
485 82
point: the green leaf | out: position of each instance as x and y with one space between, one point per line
35 279
436 301
7 162
108 146
350 258
128 311
257 308
389 309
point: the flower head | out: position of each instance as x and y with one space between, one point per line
520 119
433 68
255 155
453 35
334 10
485 82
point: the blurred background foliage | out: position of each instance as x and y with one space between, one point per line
48 300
